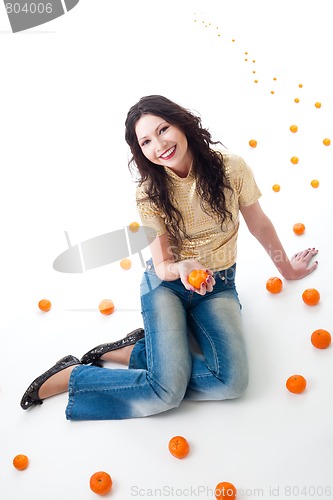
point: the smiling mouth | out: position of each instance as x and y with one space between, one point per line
169 153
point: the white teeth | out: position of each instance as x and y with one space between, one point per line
167 153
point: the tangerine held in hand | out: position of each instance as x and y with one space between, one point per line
197 277
101 483
179 447
321 339
274 285
20 462
106 306
225 490
311 297
44 305
296 384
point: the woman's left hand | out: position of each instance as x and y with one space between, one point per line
186 266
300 262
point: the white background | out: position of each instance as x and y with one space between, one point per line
66 88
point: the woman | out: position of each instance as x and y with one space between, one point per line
190 194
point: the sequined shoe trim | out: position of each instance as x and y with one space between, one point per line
93 356
30 397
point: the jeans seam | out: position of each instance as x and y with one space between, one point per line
217 364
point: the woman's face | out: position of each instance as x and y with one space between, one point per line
163 144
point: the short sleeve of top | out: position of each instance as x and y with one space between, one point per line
242 180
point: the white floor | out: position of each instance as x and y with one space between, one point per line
65 91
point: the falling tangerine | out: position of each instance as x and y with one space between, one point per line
293 128
315 183
126 264
294 160
106 306
134 227
298 228
276 188
44 305
253 143
318 105
327 141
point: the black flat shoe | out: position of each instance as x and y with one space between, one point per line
94 355
30 397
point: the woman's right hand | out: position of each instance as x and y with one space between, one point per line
186 266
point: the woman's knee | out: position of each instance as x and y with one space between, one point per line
238 383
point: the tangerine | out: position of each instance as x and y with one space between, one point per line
320 338
106 306
274 285
311 296
318 105
197 277
326 141
276 188
252 142
315 183
293 128
101 483
298 228
179 447
296 384
20 462
225 490
44 305
294 160
126 264
296 100
134 227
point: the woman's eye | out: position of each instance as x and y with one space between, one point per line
144 143
163 129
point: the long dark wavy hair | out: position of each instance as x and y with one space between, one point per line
208 167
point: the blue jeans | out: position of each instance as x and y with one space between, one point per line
163 370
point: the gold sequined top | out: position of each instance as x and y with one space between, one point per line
214 248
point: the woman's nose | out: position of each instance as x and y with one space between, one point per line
160 145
